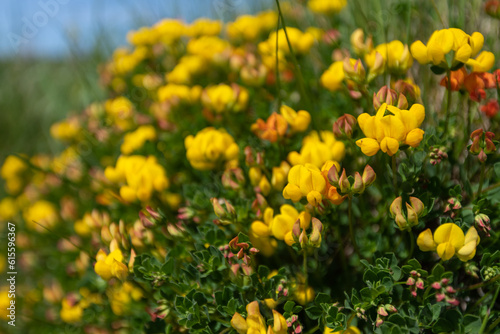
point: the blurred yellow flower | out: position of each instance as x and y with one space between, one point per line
11 171
297 120
317 148
396 57
41 213
136 139
224 98
326 7
71 312
211 147
333 78
110 265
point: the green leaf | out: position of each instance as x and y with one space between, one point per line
472 324
263 271
496 167
437 272
322 298
437 70
442 325
314 312
289 306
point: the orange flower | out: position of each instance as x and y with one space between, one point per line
275 127
476 83
456 80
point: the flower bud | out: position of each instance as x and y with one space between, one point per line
391 308
410 281
369 176
395 207
219 211
417 205
384 95
483 223
344 125
303 239
419 284
358 187
381 311
233 178
492 8
436 285
333 176
315 238
379 322
344 184
354 70
402 102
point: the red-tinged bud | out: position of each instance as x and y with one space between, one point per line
396 207
492 8
296 230
384 95
436 285
391 308
476 134
420 284
344 184
233 178
402 102
230 208
407 89
417 205
253 250
410 281
440 296
482 157
219 211
358 187
369 176
241 253
415 273
154 214
344 125
303 239
450 289
489 145
298 329
381 311
249 159
146 222
233 243
333 176
260 158
453 302
315 238
445 281
414 293
354 71
483 223
379 322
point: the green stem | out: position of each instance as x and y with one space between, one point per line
439 15
486 317
482 284
304 268
412 244
481 180
298 73
448 104
278 80
494 325
351 227
394 175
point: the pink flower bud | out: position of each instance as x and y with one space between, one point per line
440 296
369 176
381 311
436 285
420 284
410 281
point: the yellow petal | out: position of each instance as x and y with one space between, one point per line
389 145
476 42
314 198
369 146
366 123
425 241
260 229
445 251
239 323
483 63
419 52
463 54
291 191
414 137
451 233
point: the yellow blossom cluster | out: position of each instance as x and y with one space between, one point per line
138 176
318 148
136 139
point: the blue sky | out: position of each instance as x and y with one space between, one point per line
55 28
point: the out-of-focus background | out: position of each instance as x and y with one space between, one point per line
50 51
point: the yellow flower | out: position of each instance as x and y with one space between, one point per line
110 265
120 111
203 27
297 120
176 94
279 175
12 170
305 181
333 78
169 30
249 28
386 132
301 42
359 44
42 212
208 47
326 7
121 296
444 41
135 140
282 224
71 312
260 232
8 209
139 177
396 57
317 148
448 240
65 130
483 63
224 98
331 192
211 147
350 330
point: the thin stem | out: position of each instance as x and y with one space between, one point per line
482 284
298 73
351 227
304 268
486 317
481 180
394 175
494 325
448 104
439 15
278 80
